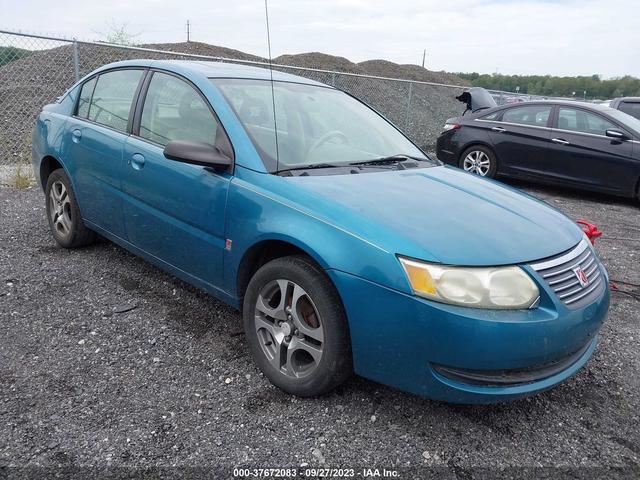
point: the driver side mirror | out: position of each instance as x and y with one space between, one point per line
197 153
616 134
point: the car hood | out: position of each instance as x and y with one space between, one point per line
441 214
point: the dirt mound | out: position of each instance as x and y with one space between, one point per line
384 68
319 60
199 48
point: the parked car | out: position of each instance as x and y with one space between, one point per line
628 105
345 246
568 143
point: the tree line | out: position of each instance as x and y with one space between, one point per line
550 86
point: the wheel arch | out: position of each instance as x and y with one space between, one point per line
47 165
266 250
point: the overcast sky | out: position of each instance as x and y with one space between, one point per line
564 37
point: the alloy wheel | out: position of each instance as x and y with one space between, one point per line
289 328
60 208
477 162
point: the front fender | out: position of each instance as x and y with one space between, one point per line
256 214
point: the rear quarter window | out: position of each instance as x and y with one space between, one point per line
68 101
85 98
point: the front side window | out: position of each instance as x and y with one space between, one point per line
315 124
174 110
582 121
85 98
112 98
534 115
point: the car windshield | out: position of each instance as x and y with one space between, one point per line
316 125
625 119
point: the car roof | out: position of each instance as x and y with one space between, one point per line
210 69
573 103
626 99
569 103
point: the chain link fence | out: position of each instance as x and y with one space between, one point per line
34 70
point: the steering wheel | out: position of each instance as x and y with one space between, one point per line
325 138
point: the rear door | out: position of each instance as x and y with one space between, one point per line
521 139
96 136
175 211
582 153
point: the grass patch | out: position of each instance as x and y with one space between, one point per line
21 179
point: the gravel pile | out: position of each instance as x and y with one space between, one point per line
29 83
107 361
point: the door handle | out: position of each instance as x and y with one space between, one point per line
498 129
137 161
560 141
76 135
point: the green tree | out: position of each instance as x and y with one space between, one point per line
553 86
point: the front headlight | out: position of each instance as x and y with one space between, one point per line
479 287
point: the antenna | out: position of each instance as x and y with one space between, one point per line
188 32
424 54
273 93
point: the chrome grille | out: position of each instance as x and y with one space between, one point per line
560 274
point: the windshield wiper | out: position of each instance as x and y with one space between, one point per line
312 166
391 159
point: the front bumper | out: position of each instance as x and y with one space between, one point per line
404 341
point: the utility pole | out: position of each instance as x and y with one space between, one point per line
188 32
424 55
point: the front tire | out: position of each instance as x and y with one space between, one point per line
64 217
296 327
479 160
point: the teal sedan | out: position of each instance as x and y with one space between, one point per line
346 247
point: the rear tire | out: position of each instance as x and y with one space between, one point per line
479 160
296 327
64 217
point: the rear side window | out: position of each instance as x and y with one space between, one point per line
630 108
85 98
582 121
112 98
174 110
534 115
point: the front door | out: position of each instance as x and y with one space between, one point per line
175 211
582 154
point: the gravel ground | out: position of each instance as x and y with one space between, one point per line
107 361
